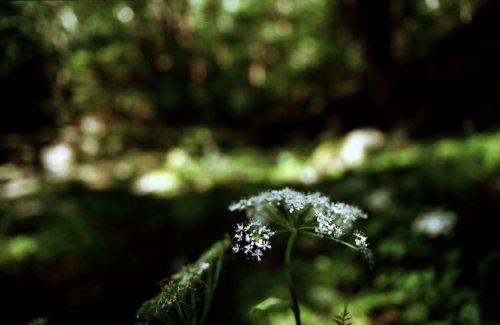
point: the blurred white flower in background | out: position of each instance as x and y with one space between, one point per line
379 199
435 223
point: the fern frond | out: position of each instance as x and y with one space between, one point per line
343 318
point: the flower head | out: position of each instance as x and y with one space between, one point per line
254 237
362 245
335 219
260 206
310 213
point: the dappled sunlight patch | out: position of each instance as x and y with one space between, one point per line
231 5
10 172
334 156
59 160
123 170
124 14
92 125
68 19
17 248
482 148
288 167
18 188
474 154
356 145
197 163
398 158
323 158
95 176
177 158
157 182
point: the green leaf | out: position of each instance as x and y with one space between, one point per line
271 304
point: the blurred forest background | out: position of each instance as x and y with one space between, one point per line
128 127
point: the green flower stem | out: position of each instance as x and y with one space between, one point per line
193 304
276 218
288 270
331 238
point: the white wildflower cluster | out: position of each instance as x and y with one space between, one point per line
289 209
292 201
252 238
326 226
362 245
435 223
335 219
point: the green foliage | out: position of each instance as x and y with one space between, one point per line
215 61
294 212
39 321
73 233
186 296
269 305
159 105
343 318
